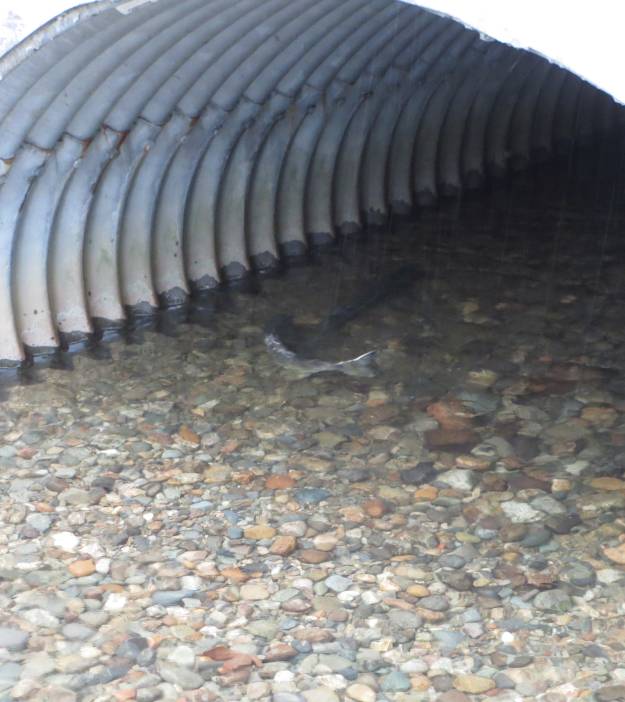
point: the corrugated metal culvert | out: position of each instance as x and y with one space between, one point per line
151 150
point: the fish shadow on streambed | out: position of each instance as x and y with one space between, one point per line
297 351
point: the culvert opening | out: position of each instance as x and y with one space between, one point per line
152 152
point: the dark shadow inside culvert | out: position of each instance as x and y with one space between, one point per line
148 157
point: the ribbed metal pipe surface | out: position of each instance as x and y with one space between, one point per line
149 153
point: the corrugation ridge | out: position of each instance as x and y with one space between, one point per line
541 143
66 270
346 182
102 256
189 78
300 55
566 114
426 148
23 65
136 242
120 98
13 193
381 183
249 70
231 220
36 42
35 321
502 113
374 57
328 70
171 263
455 124
519 136
227 64
53 84
107 78
261 221
400 166
297 75
473 156
585 122
320 215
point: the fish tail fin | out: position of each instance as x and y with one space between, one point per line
362 366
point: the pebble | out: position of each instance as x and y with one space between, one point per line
283 545
320 694
259 532
376 507
83 568
553 601
77 631
422 473
361 693
254 591
520 512
177 675
311 496
458 479
337 583
616 554
40 522
169 598
536 536
312 555
579 574
13 639
66 541
473 684
437 603
395 682
610 693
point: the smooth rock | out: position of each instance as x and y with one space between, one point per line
13 639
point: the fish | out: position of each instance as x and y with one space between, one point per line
362 366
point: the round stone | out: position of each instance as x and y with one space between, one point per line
361 693
254 591
473 684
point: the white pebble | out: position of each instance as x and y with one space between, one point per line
115 602
191 582
507 637
66 541
89 651
103 565
348 595
371 598
182 655
333 681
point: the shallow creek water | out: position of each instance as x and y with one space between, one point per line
180 520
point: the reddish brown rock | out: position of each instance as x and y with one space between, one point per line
446 438
312 555
376 507
451 414
279 482
188 435
80 569
283 545
280 652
